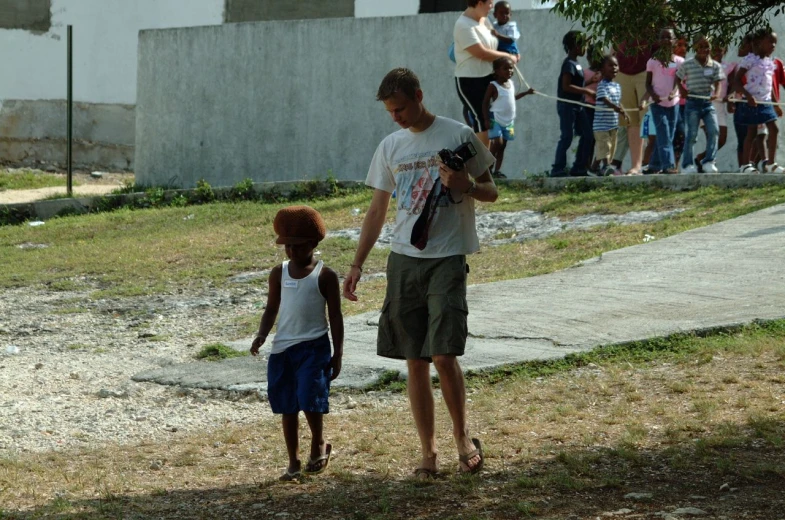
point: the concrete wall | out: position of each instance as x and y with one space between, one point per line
226 103
33 15
265 10
33 82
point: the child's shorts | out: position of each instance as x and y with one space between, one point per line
721 109
647 126
505 132
758 115
298 379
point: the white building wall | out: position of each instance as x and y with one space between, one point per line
105 43
372 8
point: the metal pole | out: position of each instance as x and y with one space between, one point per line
69 103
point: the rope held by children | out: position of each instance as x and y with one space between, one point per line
636 109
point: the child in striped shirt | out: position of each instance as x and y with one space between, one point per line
700 78
606 122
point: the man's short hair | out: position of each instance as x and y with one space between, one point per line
399 80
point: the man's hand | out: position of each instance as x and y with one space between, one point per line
457 180
258 341
350 283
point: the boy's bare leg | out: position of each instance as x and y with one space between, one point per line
501 144
771 141
747 150
454 393
420 393
636 148
291 425
316 424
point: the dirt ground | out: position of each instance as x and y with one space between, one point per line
84 184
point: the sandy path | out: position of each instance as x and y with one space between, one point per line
87 186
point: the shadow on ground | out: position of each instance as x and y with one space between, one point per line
739 473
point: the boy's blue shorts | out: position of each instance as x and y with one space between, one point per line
505 132
298 379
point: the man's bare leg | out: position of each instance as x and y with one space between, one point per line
421 402
454 393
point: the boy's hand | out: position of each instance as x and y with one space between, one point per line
626 117
731 108
751 102
335 366
778 110
713 97
529 92
258 341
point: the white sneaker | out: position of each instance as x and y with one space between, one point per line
748 168
690 170
710 167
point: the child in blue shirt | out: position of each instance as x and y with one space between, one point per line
505 29
301 364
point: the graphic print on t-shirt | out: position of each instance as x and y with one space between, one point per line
415 177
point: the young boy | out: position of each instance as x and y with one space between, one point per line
499 111
700 77
300 366
505 30
606 123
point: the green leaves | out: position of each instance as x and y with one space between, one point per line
609 21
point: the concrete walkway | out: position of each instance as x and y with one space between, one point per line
722 275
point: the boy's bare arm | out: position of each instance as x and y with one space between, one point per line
490 94
330 288
270 311
567 86
523 94
616 108
739 87
502 38
683 92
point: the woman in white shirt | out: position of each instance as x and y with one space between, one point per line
475 50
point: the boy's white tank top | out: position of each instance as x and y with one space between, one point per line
503 107
301 314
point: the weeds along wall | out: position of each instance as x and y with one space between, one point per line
294 100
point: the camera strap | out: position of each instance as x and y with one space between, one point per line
422 225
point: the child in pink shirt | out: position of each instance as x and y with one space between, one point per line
758 69
661 86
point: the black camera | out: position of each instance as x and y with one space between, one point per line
456 159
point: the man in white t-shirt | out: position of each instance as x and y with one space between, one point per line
424 313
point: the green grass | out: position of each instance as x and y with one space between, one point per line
159 250
217 351
29 180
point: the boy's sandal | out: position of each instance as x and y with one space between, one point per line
776 168
748 168
291 476
426 474
316 463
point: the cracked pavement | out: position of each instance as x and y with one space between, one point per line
722 275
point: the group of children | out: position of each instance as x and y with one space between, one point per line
682 93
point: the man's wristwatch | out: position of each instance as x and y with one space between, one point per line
472 188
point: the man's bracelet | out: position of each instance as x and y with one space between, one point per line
357 266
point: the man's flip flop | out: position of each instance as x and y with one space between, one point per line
313 462
469 456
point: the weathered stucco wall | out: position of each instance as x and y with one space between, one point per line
33 82
226 103
259 10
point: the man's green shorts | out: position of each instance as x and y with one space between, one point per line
424 312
